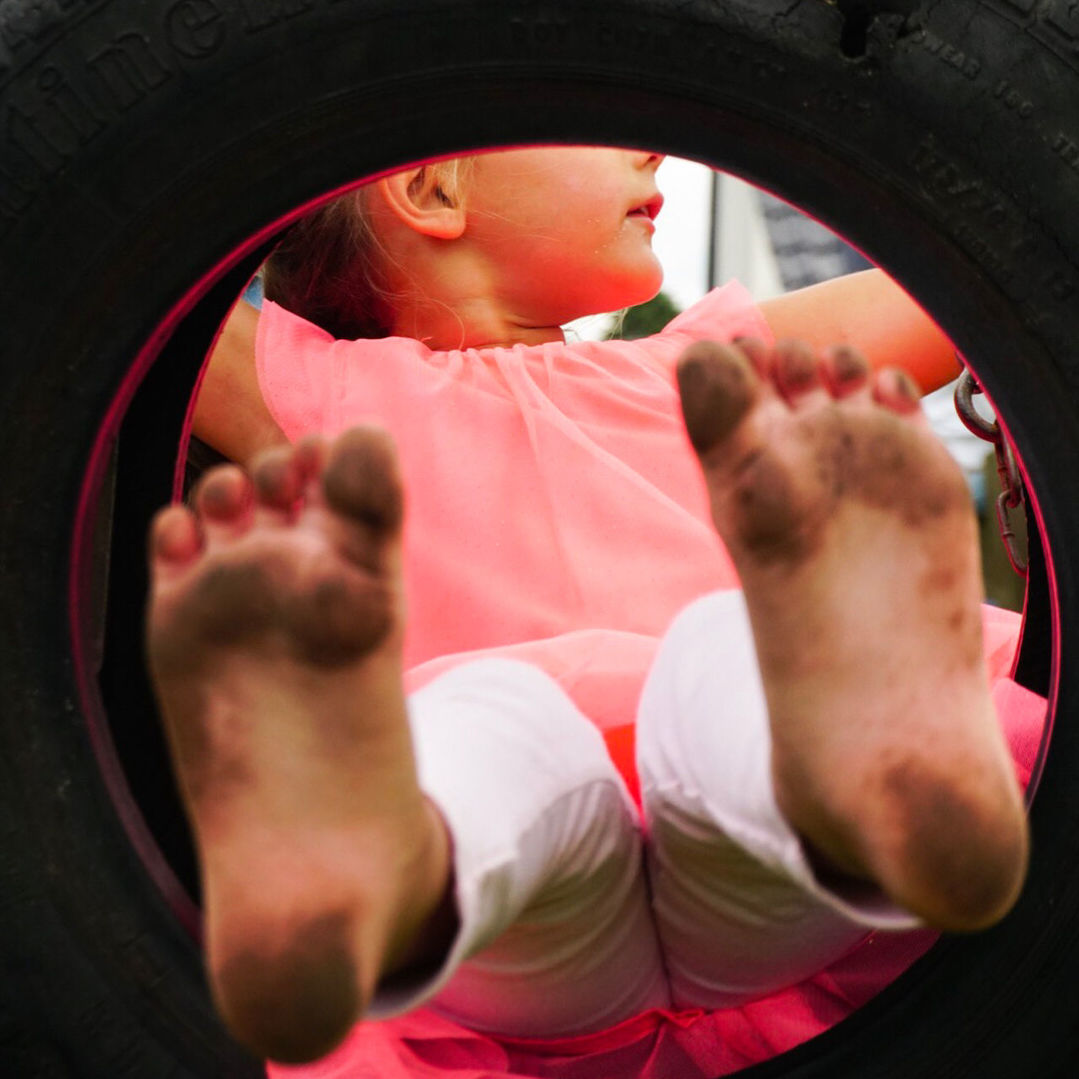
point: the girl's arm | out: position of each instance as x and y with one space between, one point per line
874 314
230 414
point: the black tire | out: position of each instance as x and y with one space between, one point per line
149 146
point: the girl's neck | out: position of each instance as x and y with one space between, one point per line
456 295
478 322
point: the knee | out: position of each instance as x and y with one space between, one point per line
527 739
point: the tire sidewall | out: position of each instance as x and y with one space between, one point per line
148 147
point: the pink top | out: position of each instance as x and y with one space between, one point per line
571 525
570 516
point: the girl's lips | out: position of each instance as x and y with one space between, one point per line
649 209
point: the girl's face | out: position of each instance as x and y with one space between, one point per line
569 229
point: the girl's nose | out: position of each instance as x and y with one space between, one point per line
645 160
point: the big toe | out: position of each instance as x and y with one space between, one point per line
718 386
362 481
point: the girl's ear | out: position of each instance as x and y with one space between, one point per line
417 199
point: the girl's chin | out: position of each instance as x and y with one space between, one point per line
642 294
627 293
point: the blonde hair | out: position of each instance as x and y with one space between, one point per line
329 266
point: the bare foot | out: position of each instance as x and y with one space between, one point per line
855 541
274 639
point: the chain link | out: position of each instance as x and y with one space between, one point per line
1011 481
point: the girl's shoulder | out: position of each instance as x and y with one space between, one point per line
311 382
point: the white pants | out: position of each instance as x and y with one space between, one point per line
574 913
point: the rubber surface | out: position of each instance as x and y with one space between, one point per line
148 147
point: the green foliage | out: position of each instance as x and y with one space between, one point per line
645 319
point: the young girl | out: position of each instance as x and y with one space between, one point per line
394 809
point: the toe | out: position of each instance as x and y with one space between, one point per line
175 538
279 480
897 391
718 385
798 373
310 455
362 482
846 373
224 500
759 354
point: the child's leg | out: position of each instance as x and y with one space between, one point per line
549 880
852 533
328 871
739 908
